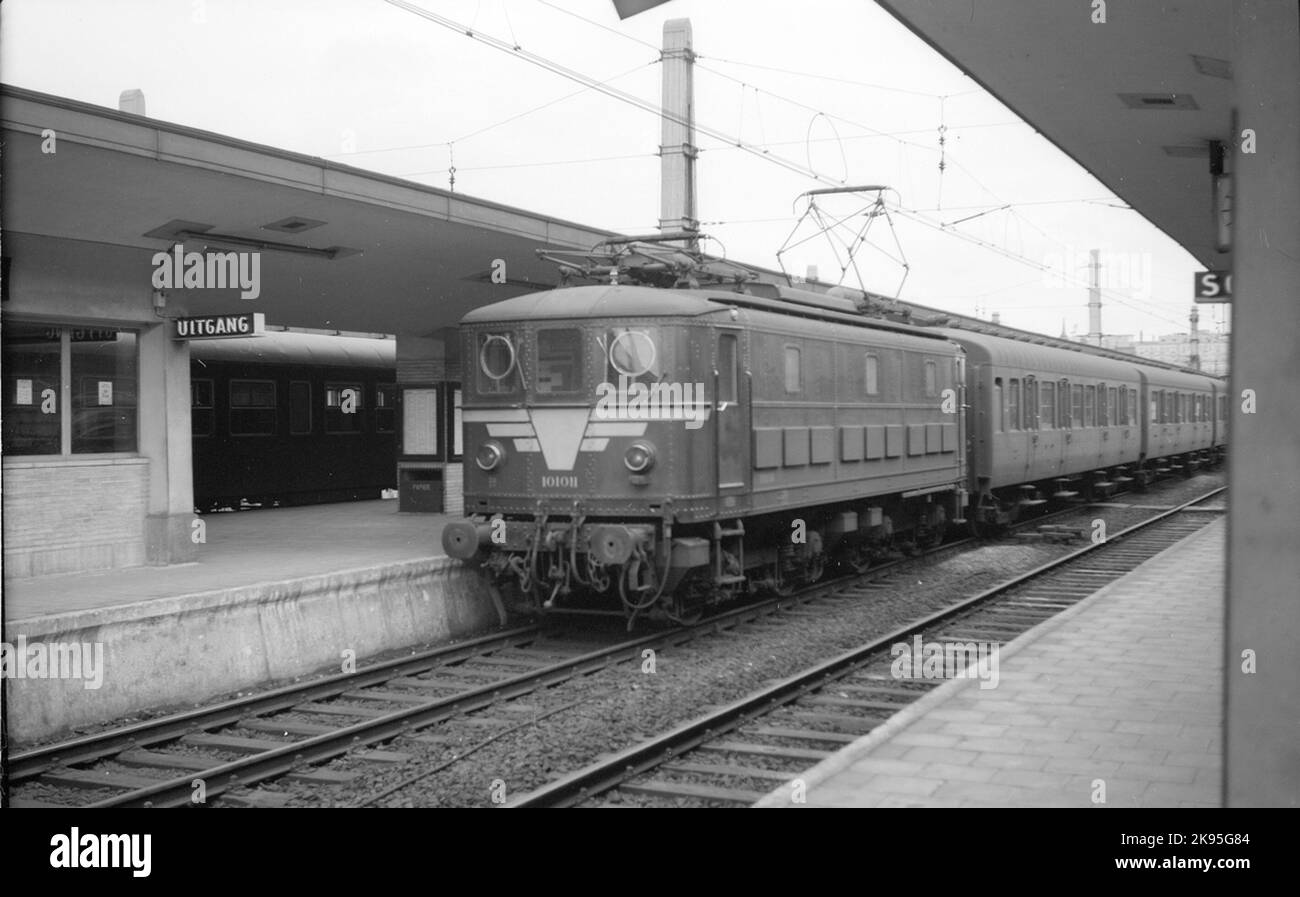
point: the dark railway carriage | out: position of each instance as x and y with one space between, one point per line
292 418
679 444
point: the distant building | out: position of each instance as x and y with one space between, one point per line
1175 348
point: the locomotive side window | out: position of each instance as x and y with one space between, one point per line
202 415
385 407
728 368
1090 406
498 364
793 369
1076 405
343 408
873 375
1013 406
931 379
559 361
252 407
299 408
1047 406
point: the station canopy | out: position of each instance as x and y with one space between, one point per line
340 248
1135 100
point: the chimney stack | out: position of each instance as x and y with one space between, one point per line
131 102
1094 299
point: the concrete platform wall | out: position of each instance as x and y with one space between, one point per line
171 653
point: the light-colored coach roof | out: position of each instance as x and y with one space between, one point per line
279 347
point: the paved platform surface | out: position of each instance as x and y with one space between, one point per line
245 548
1122 691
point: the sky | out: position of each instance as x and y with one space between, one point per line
820 93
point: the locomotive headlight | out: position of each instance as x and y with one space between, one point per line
490 455
639 457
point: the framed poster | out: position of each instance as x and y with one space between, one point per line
420 421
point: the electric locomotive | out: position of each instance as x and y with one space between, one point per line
667 449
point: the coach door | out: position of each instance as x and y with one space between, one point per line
731 413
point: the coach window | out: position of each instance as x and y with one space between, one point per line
252 407
1076 405
385 407
1047 406
1155 406
1031 404
299 408
1132 406
343 407
1013 405
1089 406
999 418
793 369
1103 410
202 414
873 375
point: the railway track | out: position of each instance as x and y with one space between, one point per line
735 754
290 731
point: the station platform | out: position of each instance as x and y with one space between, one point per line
1115 702
244 548
277 594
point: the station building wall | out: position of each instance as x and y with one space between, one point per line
95 413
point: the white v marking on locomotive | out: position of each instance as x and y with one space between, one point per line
560 432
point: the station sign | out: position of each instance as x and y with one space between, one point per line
1212 286
251 323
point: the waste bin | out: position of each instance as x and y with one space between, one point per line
419 489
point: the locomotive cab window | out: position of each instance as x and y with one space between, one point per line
632 352
728 368
559 362
793 369
343 403
252 407
498 364
202 415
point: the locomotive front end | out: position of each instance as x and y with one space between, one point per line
578 428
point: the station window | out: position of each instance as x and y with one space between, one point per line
793 369
386 408
1047 406
1076 405
252 407
1090 406
95 368
931 379
559 361
202 412
299 408
873 375
1013 405
999 415
343 407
